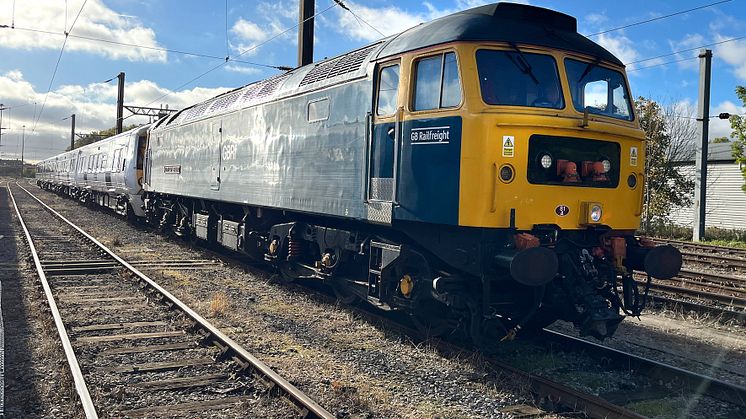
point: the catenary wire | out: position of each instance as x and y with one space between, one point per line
277 35
57 64
126 44
642 22
358 18
687 50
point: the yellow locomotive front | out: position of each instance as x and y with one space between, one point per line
552 140
553 155
550 185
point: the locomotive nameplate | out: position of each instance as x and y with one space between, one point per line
431 135
172 169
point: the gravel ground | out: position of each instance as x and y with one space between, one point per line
37 381
350 366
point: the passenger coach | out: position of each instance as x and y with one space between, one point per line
108 172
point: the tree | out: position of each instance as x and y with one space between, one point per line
738 124
669 138
94 136
720 140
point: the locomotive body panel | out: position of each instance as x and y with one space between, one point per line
271 155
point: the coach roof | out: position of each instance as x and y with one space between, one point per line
502 22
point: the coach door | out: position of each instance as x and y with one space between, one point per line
384 137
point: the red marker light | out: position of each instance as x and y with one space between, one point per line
568 170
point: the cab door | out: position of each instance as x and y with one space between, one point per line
384 143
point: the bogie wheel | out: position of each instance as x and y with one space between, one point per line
433 318
492 331
344 292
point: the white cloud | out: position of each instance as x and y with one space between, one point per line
94 106
733 53
688 42
96 21
249 31
390 20
242 69
621 46
721 127
596 19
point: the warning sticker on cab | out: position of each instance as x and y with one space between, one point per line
508 145
633 156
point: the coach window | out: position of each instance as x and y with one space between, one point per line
388 90
436 82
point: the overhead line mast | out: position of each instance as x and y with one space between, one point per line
305 32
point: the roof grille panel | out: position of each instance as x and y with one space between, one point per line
348 63
225 102
255 92
196 111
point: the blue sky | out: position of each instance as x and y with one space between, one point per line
155 77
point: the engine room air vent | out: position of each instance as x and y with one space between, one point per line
254 92
348 63
193 113
225 102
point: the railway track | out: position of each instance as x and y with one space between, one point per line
700 248
135 350
712 281
682 380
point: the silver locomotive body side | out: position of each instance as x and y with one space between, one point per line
300 151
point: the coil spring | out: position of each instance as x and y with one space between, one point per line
294 248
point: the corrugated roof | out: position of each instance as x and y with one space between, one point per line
716 152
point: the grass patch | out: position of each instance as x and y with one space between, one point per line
219 304
660 408
727 243
179 278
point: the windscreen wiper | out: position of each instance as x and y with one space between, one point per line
523 64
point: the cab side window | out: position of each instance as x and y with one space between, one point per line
388 90
437 83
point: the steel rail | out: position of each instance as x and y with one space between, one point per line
702 384
722 313
593 406
80 385
723 261
706 247
310 407
716 276
736 302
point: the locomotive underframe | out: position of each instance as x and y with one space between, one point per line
431 272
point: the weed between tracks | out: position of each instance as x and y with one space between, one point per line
219 304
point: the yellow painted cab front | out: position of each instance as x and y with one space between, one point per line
549 138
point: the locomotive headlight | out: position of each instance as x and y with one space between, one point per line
595 213
545 161
607 165
591 213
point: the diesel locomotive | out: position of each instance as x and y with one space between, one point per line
482 171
